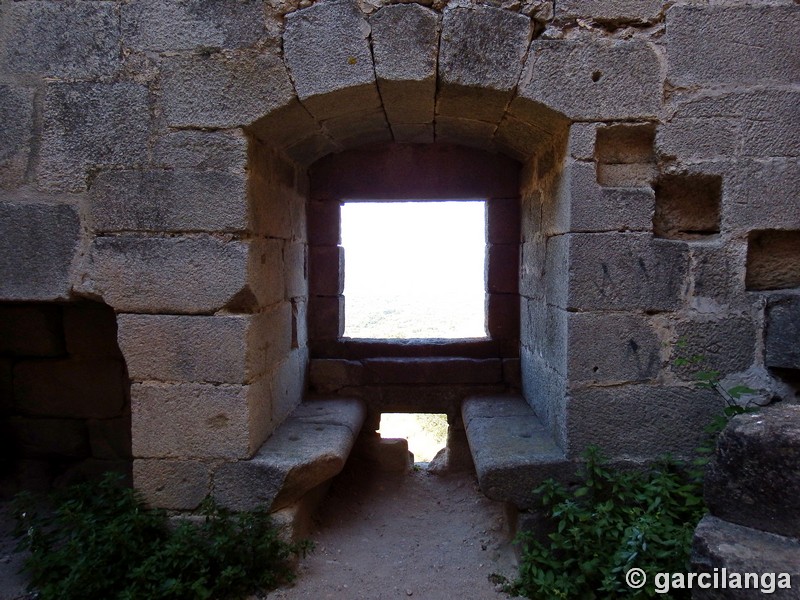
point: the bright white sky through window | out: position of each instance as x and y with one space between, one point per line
414 269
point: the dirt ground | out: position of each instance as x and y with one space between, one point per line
380 536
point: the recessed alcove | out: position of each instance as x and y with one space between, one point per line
687 207
624 155
773 260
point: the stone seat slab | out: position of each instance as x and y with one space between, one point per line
512 450
309 448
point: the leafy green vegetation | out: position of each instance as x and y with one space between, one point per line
614 521
98 541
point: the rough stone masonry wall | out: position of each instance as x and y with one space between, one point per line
154 157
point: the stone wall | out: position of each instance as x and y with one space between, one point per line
64 395
155 156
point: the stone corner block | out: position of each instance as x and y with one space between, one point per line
172 484
200 274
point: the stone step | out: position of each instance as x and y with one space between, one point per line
308 449
722 548
512 449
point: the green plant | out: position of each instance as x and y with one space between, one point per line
614 521
99 541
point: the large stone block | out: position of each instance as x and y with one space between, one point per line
761 195
625 272
480 59
88 126
640 421
204 150
615 11
273 193
327 50
405 43
172 484
589 206
182 275
753 478
76 389
223 90
169 201
724 344
287 385
725 550
32 330
782 335
359 127
16 114
711 125
218 349
38 243
156 25
605 348
190 420
74 40
594 81
715 33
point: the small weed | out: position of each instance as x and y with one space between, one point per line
99 541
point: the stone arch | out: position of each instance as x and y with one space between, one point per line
406 74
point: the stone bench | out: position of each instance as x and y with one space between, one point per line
304 453
512 450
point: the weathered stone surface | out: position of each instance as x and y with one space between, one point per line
328 53
725 344
480 59
723 548
309 448
639 421
388 455
156 25
38 243
16 114
90 330
89 125
326 270
174 275
687 207
710 125
465 132
172 484
582 138
614 11
61 39
746 206
70 388
357 128
512 450
623 272
716 275
31 330
405 44
783 332
594 81
218 349
773 260
296 269
169 201
327 376
326 317
428 370
190 420
204 150
712 31
604 348
587 206
288 385
503 268
224 90
753 478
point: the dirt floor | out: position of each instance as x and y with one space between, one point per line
381 536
